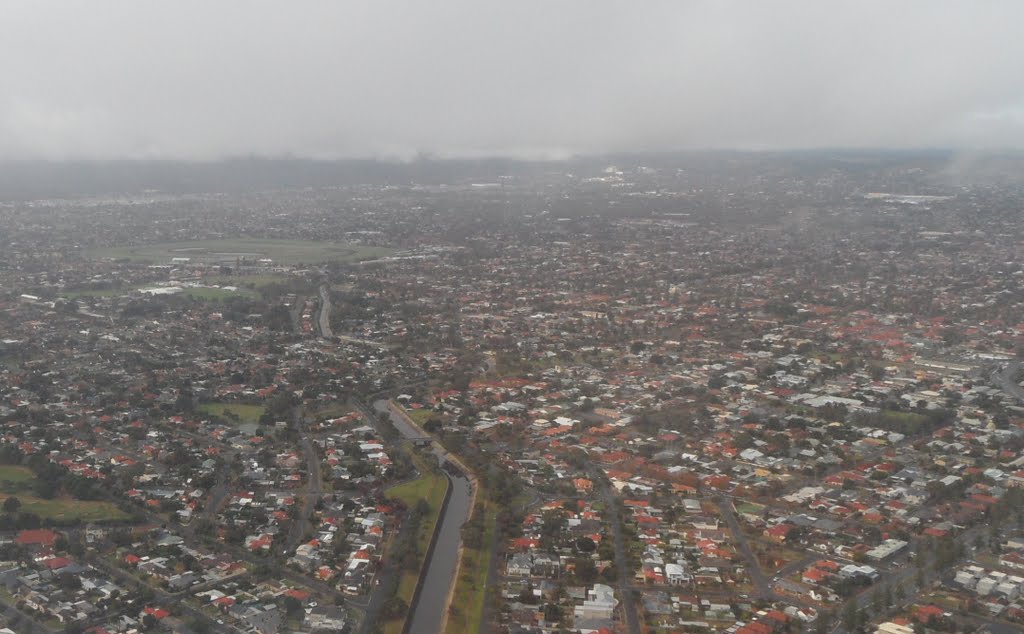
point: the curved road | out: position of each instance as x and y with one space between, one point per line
1006 383
324 323
325 312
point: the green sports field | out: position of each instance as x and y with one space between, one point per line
246 413
17 481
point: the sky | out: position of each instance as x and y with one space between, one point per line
202 80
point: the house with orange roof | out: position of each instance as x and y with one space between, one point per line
583 485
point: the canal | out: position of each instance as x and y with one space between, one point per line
429 606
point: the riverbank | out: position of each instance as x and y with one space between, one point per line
467 589
435 488
434 590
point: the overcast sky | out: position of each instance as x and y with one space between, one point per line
551 78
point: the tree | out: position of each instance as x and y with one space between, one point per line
552 613
45 488
824 622
12 504
585 570
68 581
849 616
526 596
394 608
292 606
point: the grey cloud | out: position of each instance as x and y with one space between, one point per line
201 80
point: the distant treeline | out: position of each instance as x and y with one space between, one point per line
27 180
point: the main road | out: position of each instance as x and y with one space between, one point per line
621 560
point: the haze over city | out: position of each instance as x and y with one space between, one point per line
463 78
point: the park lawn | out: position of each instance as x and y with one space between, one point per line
335 410
12 474
17 481
406 587
430 487
70 509
245 412
471 585
419 416
216 294
288 252
247 281
198 292
750 508
96 292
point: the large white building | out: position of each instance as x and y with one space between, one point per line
600 603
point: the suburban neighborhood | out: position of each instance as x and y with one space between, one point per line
745 396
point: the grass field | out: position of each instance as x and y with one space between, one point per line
431 486
247 281
750 508
420 416
471 586
245 413
329 411
106 292
287 252
14 475
17 481
201 293
70 509
217 294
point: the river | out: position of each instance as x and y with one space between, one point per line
428 609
